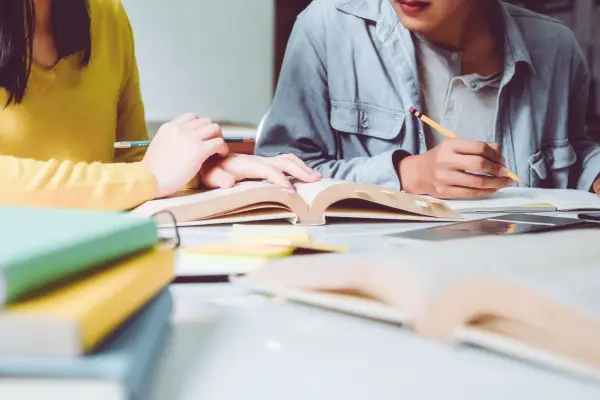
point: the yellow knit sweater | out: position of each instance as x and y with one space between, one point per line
56 147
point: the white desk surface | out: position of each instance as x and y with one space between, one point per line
337 229
226 345
361 238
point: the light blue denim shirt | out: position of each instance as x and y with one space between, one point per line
350 75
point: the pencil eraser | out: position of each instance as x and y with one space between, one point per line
412 110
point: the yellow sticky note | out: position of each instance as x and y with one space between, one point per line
268 249
243 250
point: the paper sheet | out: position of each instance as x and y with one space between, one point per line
529 199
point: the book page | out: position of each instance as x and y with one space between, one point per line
575 286
563 262
505 345
310 191
567 199
539 292
505 199
338 282
422 283
191 197
414 280
549 317
571 278
531 199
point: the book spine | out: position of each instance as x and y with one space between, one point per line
127 357
133 291
32 274
148 352
2 289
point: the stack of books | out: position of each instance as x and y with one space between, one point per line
85 304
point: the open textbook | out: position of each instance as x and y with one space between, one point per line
536 298
310 204
514 200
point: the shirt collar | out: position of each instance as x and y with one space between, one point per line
380 12
515 47
383 14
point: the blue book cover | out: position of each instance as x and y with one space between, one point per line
127 357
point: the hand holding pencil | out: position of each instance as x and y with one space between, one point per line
456 168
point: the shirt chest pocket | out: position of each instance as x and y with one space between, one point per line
551 167
365 130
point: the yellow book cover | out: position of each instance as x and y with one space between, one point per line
72 319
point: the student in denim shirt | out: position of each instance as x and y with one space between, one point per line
512 84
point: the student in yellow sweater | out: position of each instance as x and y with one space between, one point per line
72 91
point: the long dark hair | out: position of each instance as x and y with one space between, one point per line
71 24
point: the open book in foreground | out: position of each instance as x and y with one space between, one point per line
513 200
311 204
535 298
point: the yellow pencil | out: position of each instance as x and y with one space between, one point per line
451 135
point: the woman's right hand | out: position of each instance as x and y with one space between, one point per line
179 150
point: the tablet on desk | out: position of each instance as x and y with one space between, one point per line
509 224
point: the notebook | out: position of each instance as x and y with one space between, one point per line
529 200
531 297
42 246
310 204
77 315
122 369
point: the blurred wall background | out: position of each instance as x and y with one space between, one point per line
214 58
222 58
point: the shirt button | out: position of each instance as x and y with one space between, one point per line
454 56
364 121
474 86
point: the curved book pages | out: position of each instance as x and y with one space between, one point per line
530 297
310 204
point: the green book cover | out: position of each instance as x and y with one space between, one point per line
42 246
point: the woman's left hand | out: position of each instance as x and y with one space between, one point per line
226 172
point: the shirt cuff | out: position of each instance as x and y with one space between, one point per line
596 185
398 156
587 180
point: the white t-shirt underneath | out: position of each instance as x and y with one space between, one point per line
465 104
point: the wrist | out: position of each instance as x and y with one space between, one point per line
408 171
596 186
147 185
157 180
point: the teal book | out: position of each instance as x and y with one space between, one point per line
40 246
121 369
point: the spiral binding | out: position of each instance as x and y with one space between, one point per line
174 241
